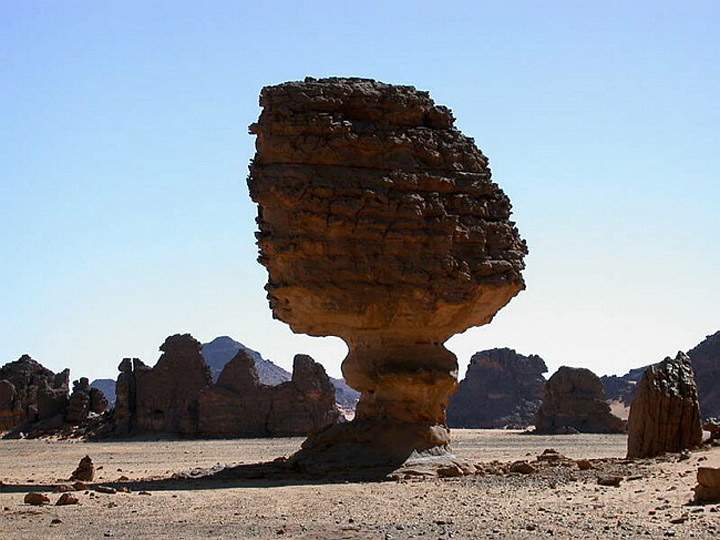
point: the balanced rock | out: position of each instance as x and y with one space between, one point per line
379 223
85 471
665 414
575 402
502 389
708 485
29 393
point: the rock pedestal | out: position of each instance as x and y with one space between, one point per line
665 414
574 402
379 223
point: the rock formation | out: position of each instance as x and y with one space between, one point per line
31 393
240 405
84 400
162 398
706 364
665 414
502 389
178 396
107 387
379 223
221 350
575 402
621 388
85 471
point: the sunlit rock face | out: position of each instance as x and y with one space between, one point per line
379 223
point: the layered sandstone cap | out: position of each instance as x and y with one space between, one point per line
376 215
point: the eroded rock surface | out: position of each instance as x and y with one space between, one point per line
708 485
665 414
574 402
379 223
502 389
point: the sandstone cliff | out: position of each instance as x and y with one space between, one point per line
706 364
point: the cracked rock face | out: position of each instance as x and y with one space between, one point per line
665 414
379 223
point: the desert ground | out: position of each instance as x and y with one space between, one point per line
558 500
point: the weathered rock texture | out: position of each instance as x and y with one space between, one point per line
238 404
665 414
575 402
502 389
379 223
178 396
30 393
706 364
84 400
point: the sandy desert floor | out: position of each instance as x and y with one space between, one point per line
556 501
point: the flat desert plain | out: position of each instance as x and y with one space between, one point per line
556 501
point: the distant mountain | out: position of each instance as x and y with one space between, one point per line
621 388
107 387
222 349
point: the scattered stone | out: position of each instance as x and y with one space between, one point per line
144 493
36 499
609 480
584 464
522 467
85 471
105 489
67 499
665 414
55 521
80 486
62 488
550 454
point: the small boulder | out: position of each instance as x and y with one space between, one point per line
67 499
609 480
708 488
105 489
522 467
584 464
85 471
36 499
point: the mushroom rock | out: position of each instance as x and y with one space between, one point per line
379 223
501 389
665 414
575 402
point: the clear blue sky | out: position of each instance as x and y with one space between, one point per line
125 217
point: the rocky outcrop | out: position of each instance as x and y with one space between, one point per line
84 400
574 402
221 350
240 405
502 389
705 360
178 396
379 223
621 388
162 399
665 414
30 393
